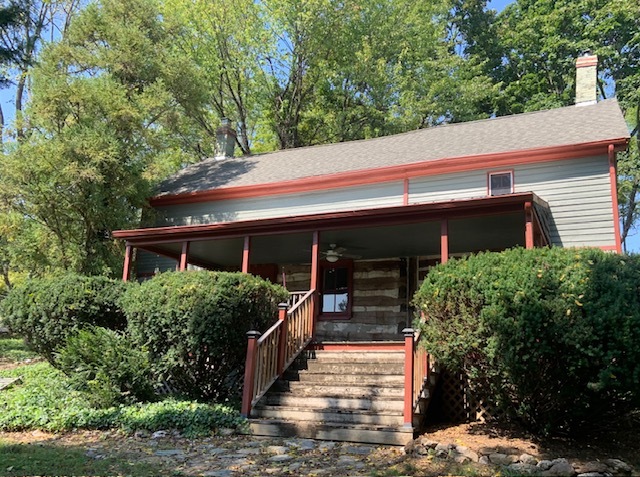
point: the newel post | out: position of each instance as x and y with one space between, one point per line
408 376
249 372
282 343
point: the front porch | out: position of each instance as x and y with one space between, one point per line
352 276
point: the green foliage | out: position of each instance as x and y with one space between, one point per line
554 334
104 364
194 325
46 400
45 311
14 350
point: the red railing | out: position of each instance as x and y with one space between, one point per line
416 373
269 355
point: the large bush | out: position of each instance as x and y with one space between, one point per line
194 325
107 367
48 310
554 334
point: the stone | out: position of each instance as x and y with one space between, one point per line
168 452
218 473
470 454
594 474
141 434
442 450
520 468
225 431
488 450
428 443
358 450
461 459
277 450
421 450
307 444
346 461
215 450
93 454
501 459
159 434
484 460
528 459
248 451
325 446
560 468
619 466
544 465
280 458
593 466
272 470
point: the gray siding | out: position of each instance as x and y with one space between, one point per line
148 263
467 185
378 195
579 195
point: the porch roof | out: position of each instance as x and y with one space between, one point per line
150 238
468 144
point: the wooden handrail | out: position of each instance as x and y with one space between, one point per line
416 369
271 354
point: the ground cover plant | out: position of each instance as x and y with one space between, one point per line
194 326
551 334
14 349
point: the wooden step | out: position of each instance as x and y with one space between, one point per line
330 389
346 379
323 367
342 416
342 403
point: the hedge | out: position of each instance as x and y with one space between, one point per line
194 325
551 334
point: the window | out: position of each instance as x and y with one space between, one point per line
500 183
336 280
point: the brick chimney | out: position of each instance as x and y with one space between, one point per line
586 79
225 140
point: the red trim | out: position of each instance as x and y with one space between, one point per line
282 342
444 241
394 173
613 179
390 346
408 379
126 271
249 372
528 227
315 270
609 248
330 221
405 193
585 61
246 254
183 256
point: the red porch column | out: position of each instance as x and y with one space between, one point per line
408 376
127 263
246 252
249 372
444 241
315 277
613 179
528 227
183 256
282 344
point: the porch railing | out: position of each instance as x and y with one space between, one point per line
295 297
416 373
269 355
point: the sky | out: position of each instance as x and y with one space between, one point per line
633 241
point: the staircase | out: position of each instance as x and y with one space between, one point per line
355 396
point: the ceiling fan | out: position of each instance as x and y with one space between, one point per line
335 253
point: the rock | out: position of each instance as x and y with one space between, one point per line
225 431
528 459
411 446
307 444
594 474
272 470
216 450
346 461
295 466
442 450
218 473
593 466
277 450
280 458
560 468
421 450
520 468
141 434
168 452
248 451
544 465
465 451
358 450
428 443
484 460
501 459
461 459
488 450
618 466
93 454
159 434
325 446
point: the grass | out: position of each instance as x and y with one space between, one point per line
13 350
49 459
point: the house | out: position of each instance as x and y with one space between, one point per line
351 228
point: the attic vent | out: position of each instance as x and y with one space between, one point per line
225 140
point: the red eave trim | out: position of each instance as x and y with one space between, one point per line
393 173
329 220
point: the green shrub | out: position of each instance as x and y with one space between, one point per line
47 401
194 325
554 334
45 311
104 364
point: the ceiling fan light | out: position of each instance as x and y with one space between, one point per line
332 257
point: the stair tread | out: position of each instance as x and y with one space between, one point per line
367 427
325 410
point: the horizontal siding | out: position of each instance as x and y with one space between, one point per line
579 196
148 263
357 198
448 187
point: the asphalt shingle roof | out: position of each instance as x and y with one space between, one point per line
557 127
